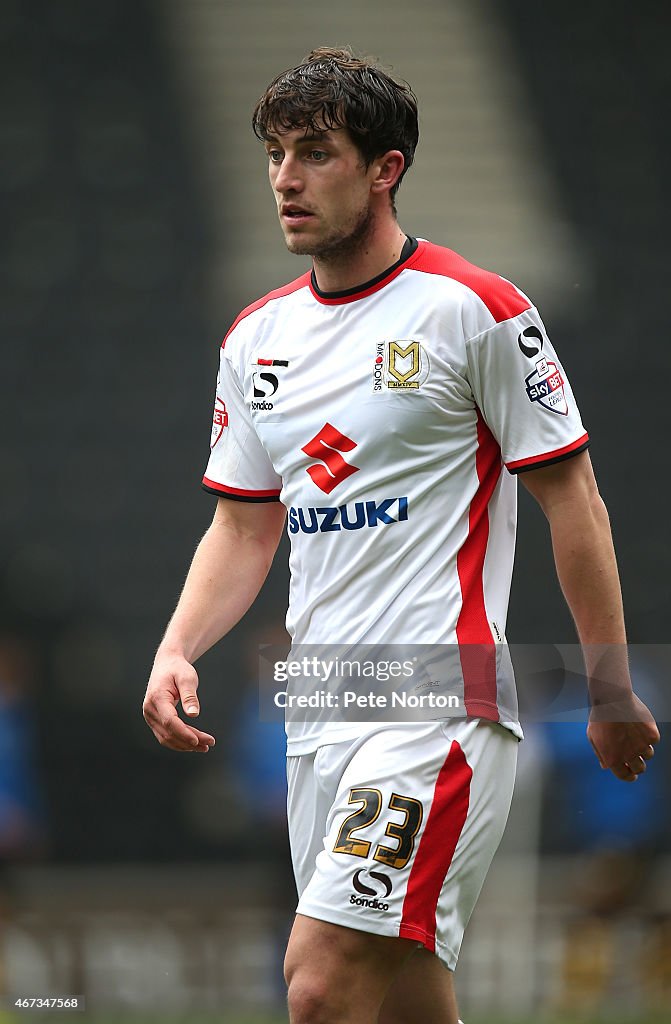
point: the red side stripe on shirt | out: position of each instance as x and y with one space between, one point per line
435 851
278 293
501 298
474 635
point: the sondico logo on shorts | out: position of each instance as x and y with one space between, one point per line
399 365
371 896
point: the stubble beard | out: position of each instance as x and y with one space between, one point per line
338 248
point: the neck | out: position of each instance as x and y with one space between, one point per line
380 249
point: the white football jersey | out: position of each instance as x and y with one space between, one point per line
390 421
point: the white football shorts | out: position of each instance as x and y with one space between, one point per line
393 833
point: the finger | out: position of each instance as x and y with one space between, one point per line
202 747
183 748
204 738
648 753
171 731
192 741
171 727
637 764
624 772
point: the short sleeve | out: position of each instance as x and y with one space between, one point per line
239 466
523 393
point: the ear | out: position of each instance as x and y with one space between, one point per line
386 169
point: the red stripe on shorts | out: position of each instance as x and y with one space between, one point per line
444 825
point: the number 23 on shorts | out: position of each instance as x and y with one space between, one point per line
403 832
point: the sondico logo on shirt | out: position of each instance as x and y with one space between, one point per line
399 365
265 384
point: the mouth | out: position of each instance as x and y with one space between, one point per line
295 215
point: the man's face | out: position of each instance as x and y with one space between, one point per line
322 190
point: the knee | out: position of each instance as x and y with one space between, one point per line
310 1000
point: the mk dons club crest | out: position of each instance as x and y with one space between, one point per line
400 365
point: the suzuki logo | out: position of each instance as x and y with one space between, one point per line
326 447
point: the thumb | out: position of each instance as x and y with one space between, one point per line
601 761
187 684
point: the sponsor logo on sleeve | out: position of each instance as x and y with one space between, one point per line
530 341
545 386
219 421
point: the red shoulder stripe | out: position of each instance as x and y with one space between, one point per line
501 298
278 293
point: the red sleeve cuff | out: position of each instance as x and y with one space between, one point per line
547 458
238 493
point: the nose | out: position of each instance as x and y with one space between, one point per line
287 177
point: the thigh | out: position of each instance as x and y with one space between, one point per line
422 990
416 816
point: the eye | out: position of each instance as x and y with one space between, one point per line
318 154
275 156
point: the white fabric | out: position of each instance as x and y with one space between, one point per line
406 762
425 388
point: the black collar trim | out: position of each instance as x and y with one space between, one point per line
409 247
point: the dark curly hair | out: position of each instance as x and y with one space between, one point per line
333 88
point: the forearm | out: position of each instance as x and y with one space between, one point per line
226 574
588 574
621 728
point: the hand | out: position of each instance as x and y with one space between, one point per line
173 680
623 735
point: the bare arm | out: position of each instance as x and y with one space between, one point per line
227 572
587 571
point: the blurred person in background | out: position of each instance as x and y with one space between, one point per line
22 834
616 835
406 388
22 831
256 767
